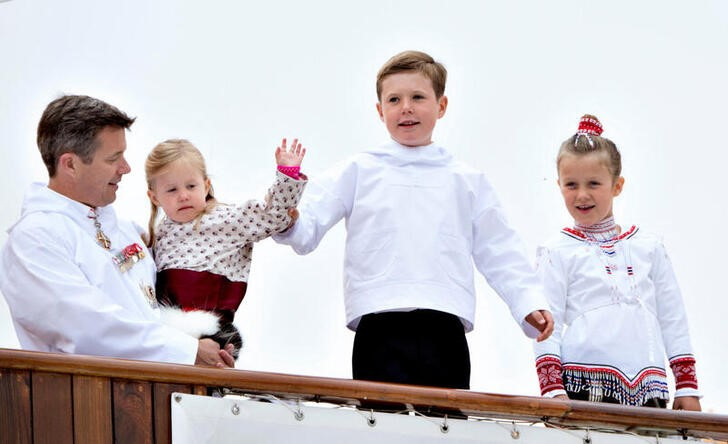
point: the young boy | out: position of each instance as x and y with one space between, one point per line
415 219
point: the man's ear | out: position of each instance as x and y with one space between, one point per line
379 111
67 164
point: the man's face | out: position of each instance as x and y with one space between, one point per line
97 182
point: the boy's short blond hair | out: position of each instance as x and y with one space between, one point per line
414 61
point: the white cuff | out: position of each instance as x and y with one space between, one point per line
688 392
554 393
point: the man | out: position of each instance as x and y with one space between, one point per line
76 278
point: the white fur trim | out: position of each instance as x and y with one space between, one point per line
195 323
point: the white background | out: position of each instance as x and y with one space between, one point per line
236 76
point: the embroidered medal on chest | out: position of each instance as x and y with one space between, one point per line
130 255
149 294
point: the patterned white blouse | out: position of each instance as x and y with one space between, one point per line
222 242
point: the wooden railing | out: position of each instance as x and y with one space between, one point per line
57 398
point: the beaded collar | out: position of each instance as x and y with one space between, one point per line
611 237
600 231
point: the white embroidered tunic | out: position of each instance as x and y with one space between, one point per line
618 311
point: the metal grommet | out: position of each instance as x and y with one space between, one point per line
178 398
235 409
371 420
298 415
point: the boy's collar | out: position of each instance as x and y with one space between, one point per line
405 147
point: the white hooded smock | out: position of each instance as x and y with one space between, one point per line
416 222
67 295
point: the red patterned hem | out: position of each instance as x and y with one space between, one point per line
630 383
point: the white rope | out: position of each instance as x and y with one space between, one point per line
568 430
444 426
297 413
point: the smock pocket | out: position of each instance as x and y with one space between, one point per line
455 259
370 255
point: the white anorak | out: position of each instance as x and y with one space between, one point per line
416 221
66 294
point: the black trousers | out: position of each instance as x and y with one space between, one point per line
423 347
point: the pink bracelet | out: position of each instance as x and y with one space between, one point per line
293 172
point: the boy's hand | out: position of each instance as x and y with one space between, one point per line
686 403
543 322
293 213
292 157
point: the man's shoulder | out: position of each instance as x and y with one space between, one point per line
40 228
41 221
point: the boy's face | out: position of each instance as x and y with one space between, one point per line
409 108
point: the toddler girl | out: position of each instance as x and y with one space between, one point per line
616 303
203 248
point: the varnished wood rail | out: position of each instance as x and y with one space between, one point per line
59 398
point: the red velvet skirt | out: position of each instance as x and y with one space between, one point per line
200 290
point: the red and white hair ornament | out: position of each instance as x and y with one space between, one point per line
588 126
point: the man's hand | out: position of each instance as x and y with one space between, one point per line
543 322
292 157
209 354
686 403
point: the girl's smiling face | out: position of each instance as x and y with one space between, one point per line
588 187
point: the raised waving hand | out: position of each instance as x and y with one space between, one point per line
290 157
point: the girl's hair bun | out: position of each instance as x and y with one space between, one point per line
590 125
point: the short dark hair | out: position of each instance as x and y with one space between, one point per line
70 124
